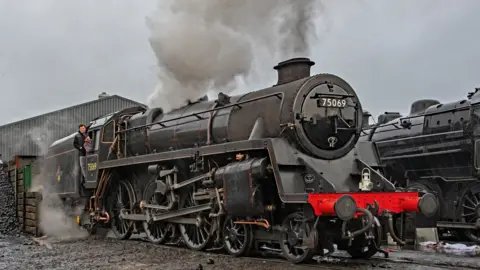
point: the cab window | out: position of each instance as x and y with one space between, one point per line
108 132
95 136
97 139
475 121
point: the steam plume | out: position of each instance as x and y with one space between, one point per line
209 45
296 28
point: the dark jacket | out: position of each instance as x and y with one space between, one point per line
78 143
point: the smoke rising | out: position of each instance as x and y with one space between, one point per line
297 26
54 220
212 45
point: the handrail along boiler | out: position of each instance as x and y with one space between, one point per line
268 170
435 149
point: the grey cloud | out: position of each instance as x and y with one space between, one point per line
55 54
395 52
58 53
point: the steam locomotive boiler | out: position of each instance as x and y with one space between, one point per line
269 170
435 149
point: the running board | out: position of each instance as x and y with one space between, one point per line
459 225
169 216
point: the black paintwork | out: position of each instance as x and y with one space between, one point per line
62 159
432 145
273 121
62 171
281 108
412 142
92 171
243 198
265 151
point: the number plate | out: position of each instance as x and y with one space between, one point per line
92 166
331 102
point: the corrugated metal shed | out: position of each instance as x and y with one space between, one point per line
33 136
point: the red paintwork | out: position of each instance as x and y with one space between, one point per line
394 202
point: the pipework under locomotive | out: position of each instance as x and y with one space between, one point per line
270 170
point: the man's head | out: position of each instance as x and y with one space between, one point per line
82 128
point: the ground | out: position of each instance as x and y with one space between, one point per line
21 253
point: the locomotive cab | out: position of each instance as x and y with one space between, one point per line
105 141
100 130
63 163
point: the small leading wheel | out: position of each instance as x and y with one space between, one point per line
121 198
366 245
196 236
291 239
237 238
157 232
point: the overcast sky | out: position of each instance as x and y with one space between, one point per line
55 54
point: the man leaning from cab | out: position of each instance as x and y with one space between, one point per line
81 142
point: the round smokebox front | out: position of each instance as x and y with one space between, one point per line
328 119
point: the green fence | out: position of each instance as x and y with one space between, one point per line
21 176
27 177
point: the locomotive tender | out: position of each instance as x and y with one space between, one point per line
270 170
436 148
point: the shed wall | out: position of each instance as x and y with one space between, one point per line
32 137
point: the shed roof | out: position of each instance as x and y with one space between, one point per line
75 106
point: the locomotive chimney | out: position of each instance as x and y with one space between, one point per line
293 69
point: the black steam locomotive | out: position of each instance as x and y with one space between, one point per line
270 170
436 149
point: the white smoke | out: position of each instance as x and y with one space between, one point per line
213 45
56 219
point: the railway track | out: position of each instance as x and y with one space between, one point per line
338 263
334 262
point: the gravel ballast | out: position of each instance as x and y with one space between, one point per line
8 217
